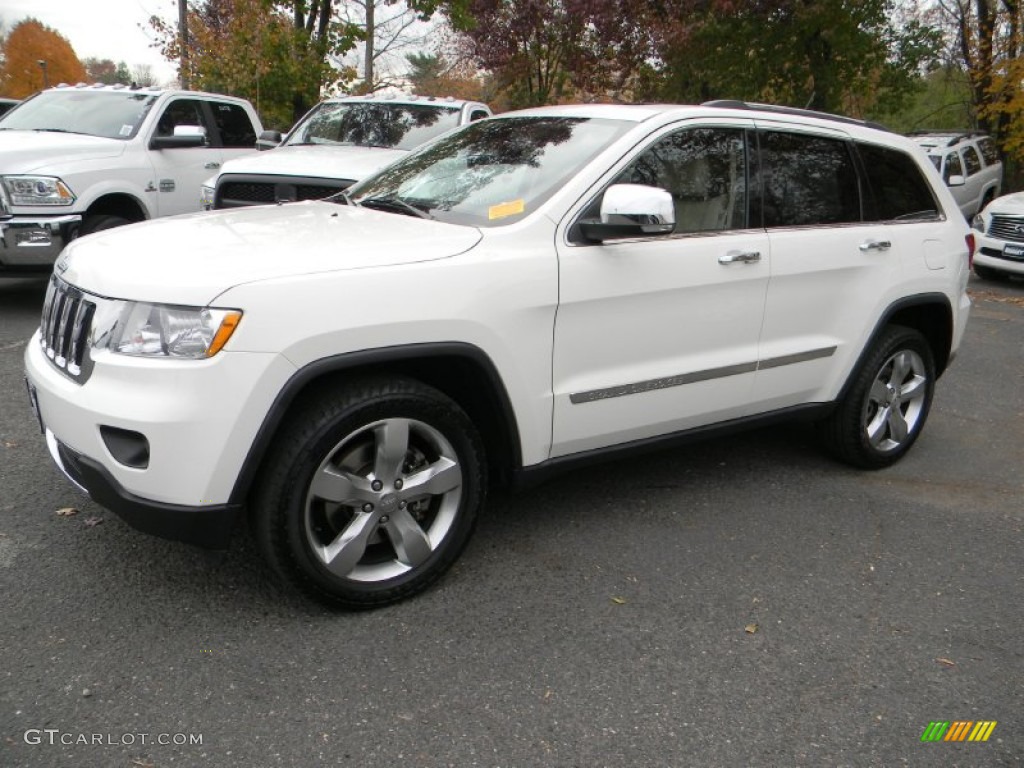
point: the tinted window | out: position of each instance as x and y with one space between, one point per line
182 112
971 161
236 129
988 150
705 170
898 188
807 180
953 167
477 114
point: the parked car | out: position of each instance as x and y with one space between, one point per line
1000 238
969 164
528 293
6 105
80 159
337 143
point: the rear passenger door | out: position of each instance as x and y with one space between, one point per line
841 240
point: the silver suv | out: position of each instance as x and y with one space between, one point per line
969 163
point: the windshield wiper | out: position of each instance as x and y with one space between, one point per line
394 204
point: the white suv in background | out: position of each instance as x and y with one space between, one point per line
1000 238
969 164
334 145
530 292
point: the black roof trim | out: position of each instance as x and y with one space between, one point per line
795 111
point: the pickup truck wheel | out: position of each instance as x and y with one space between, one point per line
885 408
100 223
370 493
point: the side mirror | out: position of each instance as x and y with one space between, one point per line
185 136
956 180
631 210
268 140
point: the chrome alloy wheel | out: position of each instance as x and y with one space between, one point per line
383 500
896 401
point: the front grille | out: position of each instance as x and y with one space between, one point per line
1007 228
237 191
64 329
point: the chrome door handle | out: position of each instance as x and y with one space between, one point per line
212 166
745 257
875 245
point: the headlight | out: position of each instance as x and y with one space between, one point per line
159 330
37 190
206 197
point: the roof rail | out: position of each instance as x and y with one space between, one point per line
953 136
775 108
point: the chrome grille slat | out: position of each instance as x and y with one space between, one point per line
64 328
1007 228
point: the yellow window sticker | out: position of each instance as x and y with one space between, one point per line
504 210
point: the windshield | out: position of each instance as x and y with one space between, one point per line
372 124
492 172
111 114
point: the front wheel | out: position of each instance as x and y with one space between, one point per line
100 223
370 493
887 404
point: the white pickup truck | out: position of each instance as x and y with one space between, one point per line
80 159
337 143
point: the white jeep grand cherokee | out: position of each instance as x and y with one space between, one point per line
535 290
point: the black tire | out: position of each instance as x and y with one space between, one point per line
100 223
370 492
987 273
887 404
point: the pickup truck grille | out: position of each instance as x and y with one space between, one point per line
1007 228
64 330
239 191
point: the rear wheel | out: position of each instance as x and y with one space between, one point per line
886 407
370 493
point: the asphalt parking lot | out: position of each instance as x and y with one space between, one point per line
742 602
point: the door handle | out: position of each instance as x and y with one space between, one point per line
736 257
212 166
875 245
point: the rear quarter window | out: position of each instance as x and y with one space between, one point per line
236 129
899 191
988 150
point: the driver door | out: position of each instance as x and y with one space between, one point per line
179 173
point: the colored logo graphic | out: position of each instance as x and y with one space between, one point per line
958 730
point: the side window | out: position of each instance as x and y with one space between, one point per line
808 180
953 167
705 170
181 112
988 150
477 114
971 161
236 129
898 187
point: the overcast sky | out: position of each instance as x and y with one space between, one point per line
106 29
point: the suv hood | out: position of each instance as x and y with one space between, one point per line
192 259
315 160
31 151
1012 205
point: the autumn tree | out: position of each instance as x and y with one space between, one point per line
27 44
433 75
848 56
546 51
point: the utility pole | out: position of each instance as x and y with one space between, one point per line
183 37
46 77
369 45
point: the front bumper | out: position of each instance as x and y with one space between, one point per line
198 419
209 526
999 254
34 242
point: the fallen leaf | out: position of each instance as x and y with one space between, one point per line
619 600
92 522
946 662
10 444
751 629
67 512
